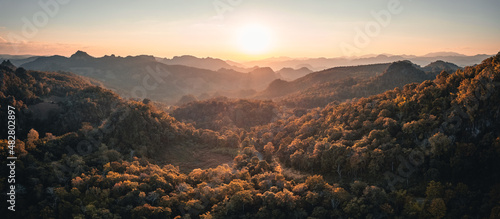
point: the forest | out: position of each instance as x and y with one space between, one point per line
428 149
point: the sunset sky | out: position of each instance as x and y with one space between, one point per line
248 29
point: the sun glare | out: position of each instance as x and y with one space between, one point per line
254 39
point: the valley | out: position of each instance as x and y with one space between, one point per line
376 140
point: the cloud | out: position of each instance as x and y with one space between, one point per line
2 40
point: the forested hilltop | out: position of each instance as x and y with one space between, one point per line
427 150
342 84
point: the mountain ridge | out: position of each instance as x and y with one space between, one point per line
333 74
317 64
144 77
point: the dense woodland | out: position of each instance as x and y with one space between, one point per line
426 150
222 113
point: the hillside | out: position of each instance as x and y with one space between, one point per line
71 114
397 74
435 141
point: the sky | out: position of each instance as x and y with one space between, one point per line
249 29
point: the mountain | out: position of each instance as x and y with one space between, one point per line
458 60
8 64
436 54
81 56
397 74
439 66
66 109
319 89
280 88
18 60
143 77
260 78
402 72
317 64
291 74
7 56
53 102
203 63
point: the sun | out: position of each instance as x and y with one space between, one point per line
254 39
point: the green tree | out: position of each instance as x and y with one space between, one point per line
437 208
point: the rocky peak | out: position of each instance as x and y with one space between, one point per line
81 55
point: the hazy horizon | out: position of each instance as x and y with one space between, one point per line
274 58
248 30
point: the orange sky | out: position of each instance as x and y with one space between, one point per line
168 28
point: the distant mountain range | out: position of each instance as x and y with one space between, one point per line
314 64
343 83
205 63
168 80
317 64
280 88
18 60
145 77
